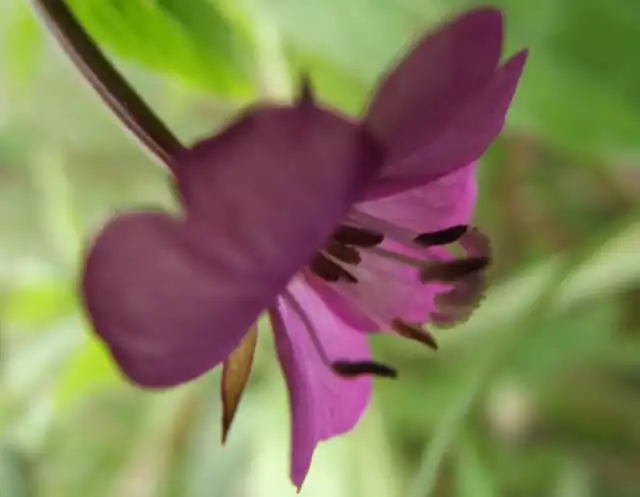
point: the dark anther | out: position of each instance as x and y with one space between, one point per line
448 272
347 254
466 293
414 332
358 237
354 369
324 268
444 237
449 320
329 270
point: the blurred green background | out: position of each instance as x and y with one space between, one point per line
538 395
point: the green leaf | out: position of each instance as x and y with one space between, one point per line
333 85
473 476
579 89
15 473
358 38
608 56
578 114
574 480
202 466
87 371
446 430
21 41
29 367
515 310
563 342
188 39
33 306
608 264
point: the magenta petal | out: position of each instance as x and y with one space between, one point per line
436 205
387 290
465 138
347 313
167 313
438 78
323 405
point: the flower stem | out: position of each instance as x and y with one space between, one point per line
123 101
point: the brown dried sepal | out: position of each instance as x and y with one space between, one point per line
235 374
414 332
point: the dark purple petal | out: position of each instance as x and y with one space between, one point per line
276 184
435 82
323 404
436 205
464 139
172 300
167 313
267 193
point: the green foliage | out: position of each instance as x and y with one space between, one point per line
190 40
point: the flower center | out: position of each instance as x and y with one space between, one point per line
343 262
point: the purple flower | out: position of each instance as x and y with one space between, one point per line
336 228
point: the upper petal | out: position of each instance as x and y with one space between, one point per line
437 79
167 313
464 139
323 404
436 205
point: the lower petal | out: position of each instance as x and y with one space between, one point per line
323 404
167 313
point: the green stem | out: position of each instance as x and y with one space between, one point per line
109 84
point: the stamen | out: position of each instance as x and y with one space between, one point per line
329 270
449 320
345 275
345 253
407 260
389 230
436 271
465 293
353 369
475 242
414 332
443 237
358 237
343 368
366 310
448 272
456 306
